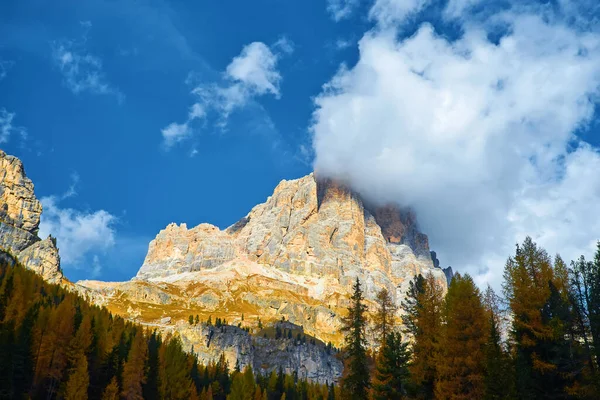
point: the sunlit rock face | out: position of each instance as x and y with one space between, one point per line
20 213
295 256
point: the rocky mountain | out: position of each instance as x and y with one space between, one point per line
290 260
20 213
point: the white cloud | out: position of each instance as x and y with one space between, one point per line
479 137
7 128
5 65
342 44
175 133
251 74
341 9
81 70
78 233
389 12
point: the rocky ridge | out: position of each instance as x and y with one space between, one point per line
20 213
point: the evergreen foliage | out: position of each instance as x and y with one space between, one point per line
356 382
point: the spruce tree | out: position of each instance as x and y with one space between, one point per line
356 382
391 369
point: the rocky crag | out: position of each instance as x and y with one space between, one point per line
20 213
293 258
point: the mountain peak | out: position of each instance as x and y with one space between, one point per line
20 213
308 228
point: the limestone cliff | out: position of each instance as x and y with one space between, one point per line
20 213
295 256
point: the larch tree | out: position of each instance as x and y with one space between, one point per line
134 369
385 315
540 315
423 321
461 357
111 392
79 380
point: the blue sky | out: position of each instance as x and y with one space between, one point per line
112 141
130 115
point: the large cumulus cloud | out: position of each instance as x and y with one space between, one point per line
481 135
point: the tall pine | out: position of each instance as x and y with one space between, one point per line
355 381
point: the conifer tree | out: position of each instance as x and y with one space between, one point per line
356 382
499 374
540 315
385 315
79 380
242 387
134 369
461 359
174 379
423 320
391 369
111 392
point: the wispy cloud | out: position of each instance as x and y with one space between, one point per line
81 70
253 73
341 9
5 65
7 128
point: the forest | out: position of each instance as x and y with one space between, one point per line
538 339
55 345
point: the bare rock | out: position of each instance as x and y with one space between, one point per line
176 250
42 257
20 213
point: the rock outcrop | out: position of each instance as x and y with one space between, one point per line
307 359
20 213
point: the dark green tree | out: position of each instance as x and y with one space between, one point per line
356 381
391 369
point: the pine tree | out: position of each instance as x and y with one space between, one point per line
355 381
79 380
391 369
460 364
